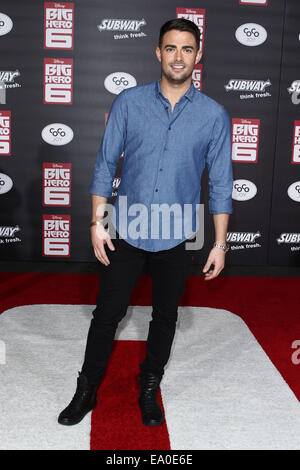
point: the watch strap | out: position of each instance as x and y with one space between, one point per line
224 247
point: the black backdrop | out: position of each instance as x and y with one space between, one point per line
55 58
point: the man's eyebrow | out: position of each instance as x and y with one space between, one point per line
174 46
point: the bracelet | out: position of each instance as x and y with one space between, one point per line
95 222
224 247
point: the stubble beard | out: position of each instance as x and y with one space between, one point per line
177 80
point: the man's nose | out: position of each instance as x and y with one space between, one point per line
178 55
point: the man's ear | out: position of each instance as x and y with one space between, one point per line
198 57
158 53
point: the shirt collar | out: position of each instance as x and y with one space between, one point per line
189 94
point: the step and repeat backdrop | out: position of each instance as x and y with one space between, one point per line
63 63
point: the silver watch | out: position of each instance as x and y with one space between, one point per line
224 247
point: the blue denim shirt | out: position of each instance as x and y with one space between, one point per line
165 153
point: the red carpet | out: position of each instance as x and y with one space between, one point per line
116 424
269 306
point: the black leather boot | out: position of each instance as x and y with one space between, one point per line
84 400
152 414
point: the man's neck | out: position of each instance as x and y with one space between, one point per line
173 92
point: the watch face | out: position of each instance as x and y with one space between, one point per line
223 247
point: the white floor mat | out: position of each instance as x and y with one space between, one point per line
220 390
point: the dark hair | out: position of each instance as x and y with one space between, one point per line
180 24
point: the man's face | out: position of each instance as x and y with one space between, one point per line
178 55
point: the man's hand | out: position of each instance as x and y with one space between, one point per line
217 258
99 237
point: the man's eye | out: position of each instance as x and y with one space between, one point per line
170 49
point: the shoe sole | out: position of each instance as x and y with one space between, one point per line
152 424
73 423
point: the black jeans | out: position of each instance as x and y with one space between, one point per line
168 269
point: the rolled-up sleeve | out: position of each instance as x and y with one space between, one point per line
111 148
219 164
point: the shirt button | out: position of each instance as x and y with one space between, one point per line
169 128
156 190
160 169
165 148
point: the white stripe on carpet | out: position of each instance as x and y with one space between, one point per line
44 349
220 390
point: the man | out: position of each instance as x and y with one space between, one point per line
168 132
